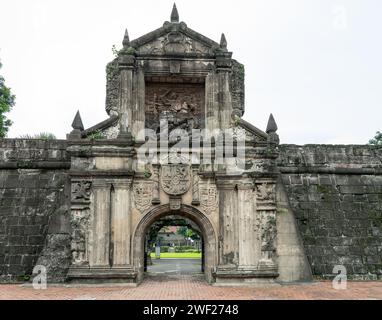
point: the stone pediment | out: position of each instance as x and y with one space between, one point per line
174 39
251 132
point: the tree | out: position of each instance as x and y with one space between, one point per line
377 139
7 101
41 136
188 233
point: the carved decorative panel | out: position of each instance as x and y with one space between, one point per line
81 191
180 104
209 199
143 193
175 179
174 42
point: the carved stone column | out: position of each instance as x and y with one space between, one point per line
212 107
126 92
121 223
100 227
155 177
249 246
195 186
138 116
223 65
228 234
266 208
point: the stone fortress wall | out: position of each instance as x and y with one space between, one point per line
333 195
33 188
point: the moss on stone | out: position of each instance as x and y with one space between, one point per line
322 189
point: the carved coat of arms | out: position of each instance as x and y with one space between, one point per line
175 178
142 196
209 199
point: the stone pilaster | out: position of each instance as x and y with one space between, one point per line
228 234
121 223
223 73
126 98
155 177
100 228
212 107
138 115
195 185
249 245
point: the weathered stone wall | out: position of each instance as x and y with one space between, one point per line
33 186
237 87
336 195
112 86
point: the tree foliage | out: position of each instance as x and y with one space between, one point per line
41 136
377 139
7 101
188 233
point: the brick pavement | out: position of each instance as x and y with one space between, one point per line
193 288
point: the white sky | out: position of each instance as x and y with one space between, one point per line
315 64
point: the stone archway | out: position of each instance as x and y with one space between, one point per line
209 236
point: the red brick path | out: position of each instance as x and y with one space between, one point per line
187 288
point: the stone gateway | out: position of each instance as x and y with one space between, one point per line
175 144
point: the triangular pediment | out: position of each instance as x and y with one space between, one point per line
251 132
174 38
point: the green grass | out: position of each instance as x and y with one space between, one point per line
179 255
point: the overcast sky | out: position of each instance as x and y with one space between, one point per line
315 64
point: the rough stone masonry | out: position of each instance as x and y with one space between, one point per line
81 207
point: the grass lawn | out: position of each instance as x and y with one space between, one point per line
179 255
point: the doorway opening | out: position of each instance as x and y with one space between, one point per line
160 221
174 246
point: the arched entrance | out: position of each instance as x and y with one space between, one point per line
209 236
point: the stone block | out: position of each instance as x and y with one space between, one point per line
16 230
15 259
295 179
325 180
352 189
32 230
12 182
35 240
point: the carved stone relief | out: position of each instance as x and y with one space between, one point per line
209 199
265 192
174 42
175 178
79 221
143 196
266 208
180 104
81 191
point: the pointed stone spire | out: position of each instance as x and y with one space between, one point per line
174 14
272 126
77 122
223 42
126 40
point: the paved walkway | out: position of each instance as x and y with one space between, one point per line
194 288
175 266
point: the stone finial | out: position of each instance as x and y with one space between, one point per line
126 40
272 126
174 14
77 122
223 42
